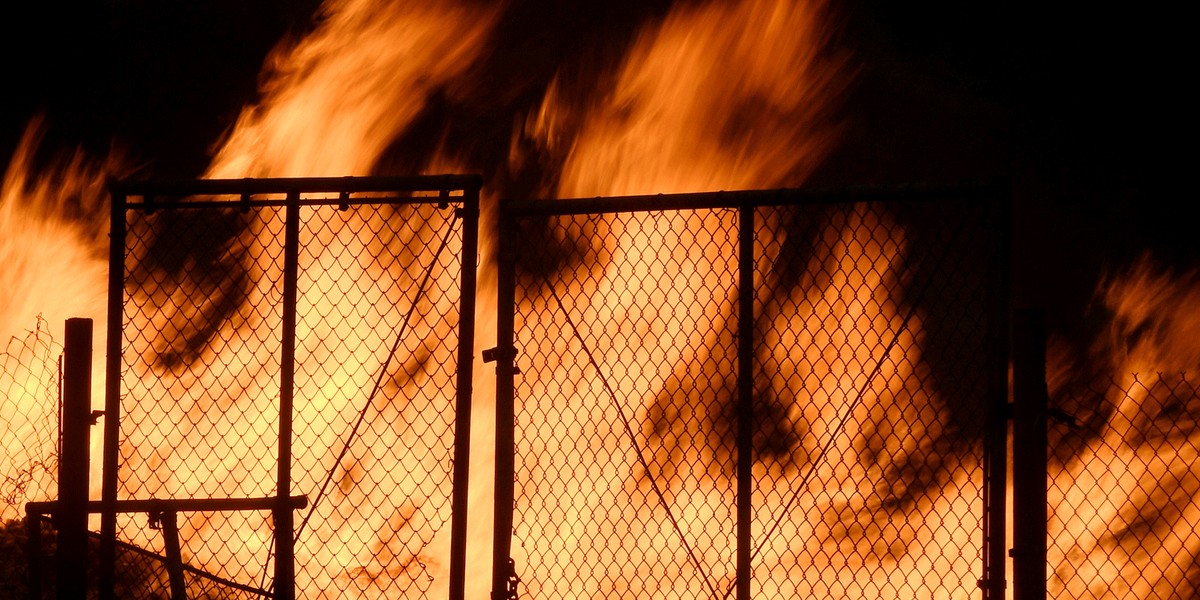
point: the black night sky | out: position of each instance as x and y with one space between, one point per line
1078 106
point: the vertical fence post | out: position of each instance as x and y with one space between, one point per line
1029 456
462 409
112 393
73 466
33 550
996 420
169 521
745 401
503 354
285 575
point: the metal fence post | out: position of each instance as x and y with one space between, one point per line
1029 456
73 467
745 401
503 354
462 410
168 520
996 422
285 574
112 393
33 550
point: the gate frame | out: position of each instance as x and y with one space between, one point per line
996 195
169 194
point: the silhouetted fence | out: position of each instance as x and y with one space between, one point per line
1124 489
282 337
29 391
752 394
773 394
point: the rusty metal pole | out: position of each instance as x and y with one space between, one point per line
73 466
1030 446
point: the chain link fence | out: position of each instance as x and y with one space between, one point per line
1124 490
851 461
309 328
845 461
29 388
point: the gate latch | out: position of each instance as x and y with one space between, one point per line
493 354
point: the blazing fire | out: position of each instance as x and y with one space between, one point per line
716 95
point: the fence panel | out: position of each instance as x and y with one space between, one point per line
1123 487
313 322
874 369
29 388
599 335
871 338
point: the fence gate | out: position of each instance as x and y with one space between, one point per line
778 394
284 358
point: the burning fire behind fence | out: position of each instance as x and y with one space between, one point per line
867 456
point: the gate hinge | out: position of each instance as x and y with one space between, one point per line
510 588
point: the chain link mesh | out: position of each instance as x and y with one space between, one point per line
29 389
870 390
600 488
375 361
869 382
1124 492
1123 489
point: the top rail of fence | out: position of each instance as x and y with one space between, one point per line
764 197
160 193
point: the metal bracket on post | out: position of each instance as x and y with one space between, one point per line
506 355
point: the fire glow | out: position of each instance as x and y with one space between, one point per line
696 105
